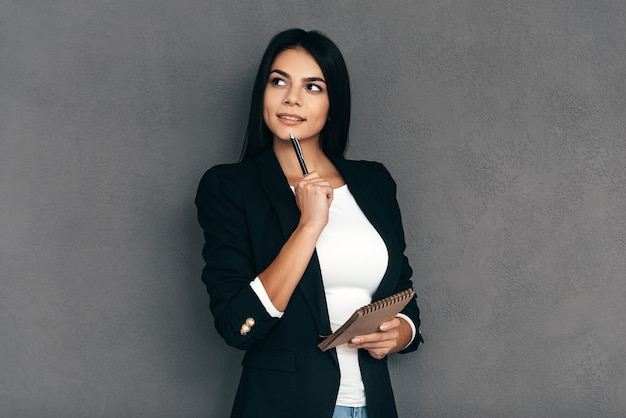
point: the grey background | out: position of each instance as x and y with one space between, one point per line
502 121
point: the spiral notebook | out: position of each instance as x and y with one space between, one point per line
367 319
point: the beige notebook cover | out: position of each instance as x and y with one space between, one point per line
367 319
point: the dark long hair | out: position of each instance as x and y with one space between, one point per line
334 135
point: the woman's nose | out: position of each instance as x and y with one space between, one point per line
292 97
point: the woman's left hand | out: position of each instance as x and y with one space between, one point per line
392 337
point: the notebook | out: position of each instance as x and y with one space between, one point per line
367 319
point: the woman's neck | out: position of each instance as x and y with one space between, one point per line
314 158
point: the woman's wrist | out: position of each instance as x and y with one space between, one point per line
407 334
310 229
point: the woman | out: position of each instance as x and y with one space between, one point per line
283 271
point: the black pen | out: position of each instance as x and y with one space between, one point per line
296 147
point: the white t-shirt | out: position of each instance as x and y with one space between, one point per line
353 260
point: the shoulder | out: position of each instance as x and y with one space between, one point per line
238 173
233 171
372 172
226 181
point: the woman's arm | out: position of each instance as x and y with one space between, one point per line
230 264
313 197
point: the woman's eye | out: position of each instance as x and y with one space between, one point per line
278 82
314 88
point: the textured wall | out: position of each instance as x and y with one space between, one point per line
503 122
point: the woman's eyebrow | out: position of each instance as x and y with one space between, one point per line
287 76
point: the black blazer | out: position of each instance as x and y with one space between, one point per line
247 211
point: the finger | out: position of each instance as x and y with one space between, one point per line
312 175
389 335
389 325
381 348
382 345
313 185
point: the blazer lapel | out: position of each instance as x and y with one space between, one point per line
282 199
275 185
364 192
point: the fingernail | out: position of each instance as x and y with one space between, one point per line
355 340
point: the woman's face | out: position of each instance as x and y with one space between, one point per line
295 98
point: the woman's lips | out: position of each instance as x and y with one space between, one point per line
290 119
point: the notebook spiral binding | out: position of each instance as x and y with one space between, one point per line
380 304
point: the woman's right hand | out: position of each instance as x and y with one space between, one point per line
314 195
280 278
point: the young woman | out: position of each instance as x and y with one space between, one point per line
289 256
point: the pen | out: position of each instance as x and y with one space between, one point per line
296 147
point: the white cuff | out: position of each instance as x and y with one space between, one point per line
258 288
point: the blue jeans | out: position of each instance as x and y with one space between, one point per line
350 412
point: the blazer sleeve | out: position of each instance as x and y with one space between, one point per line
404 280
229 265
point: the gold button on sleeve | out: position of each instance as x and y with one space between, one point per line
247 326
